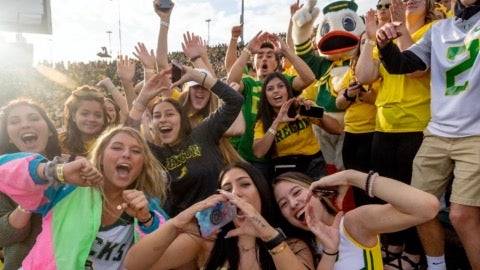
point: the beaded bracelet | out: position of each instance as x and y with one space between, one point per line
50 170
370 186
367 182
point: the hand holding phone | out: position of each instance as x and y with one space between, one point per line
214 218
324 192
315 112
177 71
164 5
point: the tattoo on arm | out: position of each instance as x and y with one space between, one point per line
258 221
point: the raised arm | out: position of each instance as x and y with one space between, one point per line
117 97
366 70
162 43
305 74
395 61
126 73
231 54
194 49
252 47
406 206
147 58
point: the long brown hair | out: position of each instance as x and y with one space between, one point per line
52 148
71 139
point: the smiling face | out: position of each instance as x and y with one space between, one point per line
276 93
27 130
199 97
89 118
166 122
238 182
122 161
290 198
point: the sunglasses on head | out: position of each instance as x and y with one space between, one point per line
380 6
88 92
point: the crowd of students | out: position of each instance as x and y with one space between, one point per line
125 165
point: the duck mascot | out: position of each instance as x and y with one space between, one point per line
336 40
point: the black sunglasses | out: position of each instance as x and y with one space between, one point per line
380 6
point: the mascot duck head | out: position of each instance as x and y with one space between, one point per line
339 30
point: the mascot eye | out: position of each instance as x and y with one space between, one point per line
349 24
325 29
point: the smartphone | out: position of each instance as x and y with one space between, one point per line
315 112
177 71
211 219
325 192
164 5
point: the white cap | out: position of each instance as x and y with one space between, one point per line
201 70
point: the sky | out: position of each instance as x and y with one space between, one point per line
79 28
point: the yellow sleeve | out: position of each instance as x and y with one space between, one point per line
258 131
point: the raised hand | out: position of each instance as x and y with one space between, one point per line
125 68
147 58
294 7
306 14
237 31
157 84
164 15
185 220
397 11
370 24
338 180
329 235
283 116
387 33
193 45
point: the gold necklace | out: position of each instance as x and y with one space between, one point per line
243 249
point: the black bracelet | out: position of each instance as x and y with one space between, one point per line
142 223
195 58
330 254
277 240
347 97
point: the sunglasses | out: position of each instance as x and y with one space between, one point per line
380 6
88 92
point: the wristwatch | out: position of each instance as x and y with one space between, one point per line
277 240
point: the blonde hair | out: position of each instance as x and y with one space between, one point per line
153 176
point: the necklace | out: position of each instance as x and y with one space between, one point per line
243 249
